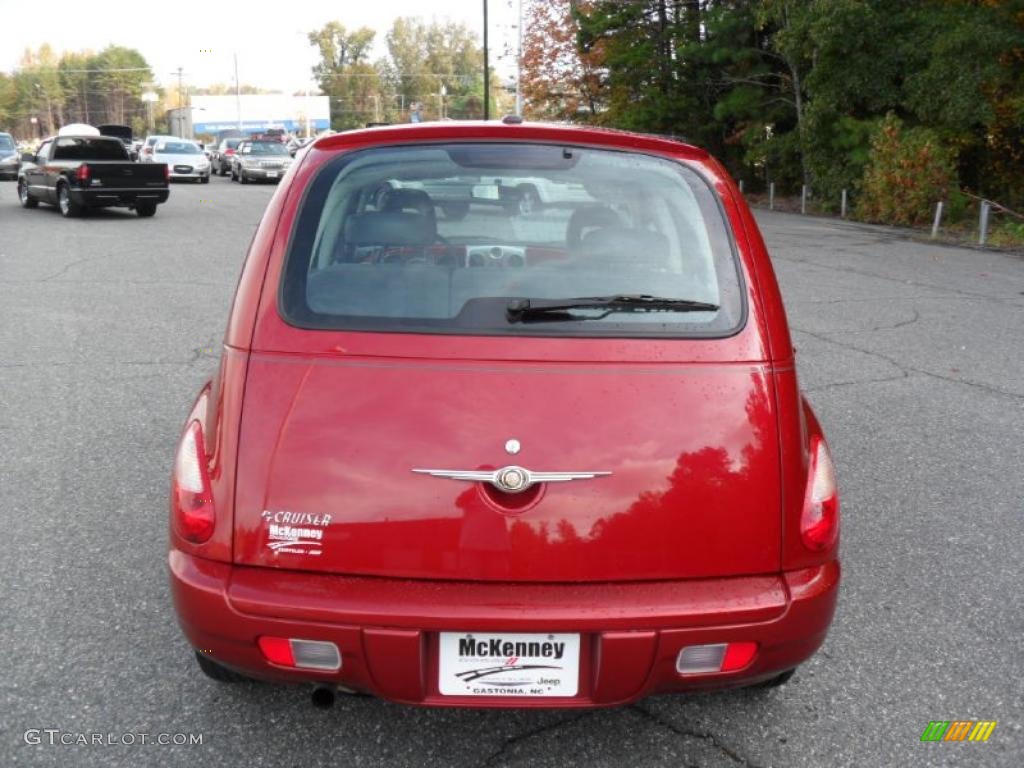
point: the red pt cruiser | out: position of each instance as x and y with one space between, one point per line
506 415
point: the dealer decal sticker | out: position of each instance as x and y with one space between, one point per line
297 533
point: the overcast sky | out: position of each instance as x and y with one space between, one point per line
268 37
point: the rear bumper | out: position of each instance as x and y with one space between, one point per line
631 633
264 175
104 198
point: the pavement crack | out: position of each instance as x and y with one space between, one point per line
901 324
512 741
705 736
64 270
900 281
853 383
907 369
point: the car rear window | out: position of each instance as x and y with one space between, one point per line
87 148
268 148
452 238
6 143
178 148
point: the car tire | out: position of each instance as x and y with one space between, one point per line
455 211
145 210
68 208
216 671
204 180
26 199
242 178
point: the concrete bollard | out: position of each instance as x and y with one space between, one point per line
803 199
741 186
771 196
983 222
842 206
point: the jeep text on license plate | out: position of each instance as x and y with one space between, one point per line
509 664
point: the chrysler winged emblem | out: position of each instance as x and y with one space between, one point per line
509 479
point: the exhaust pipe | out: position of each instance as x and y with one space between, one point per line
323 696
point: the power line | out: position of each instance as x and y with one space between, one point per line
58 69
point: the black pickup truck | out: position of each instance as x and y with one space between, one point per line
77 173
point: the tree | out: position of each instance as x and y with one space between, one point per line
345 74
228 89
559 81
121 74
438 65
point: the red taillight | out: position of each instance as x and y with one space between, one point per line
302 654
738 655
819 522
82 174
229 151
191 494
277 650
715 657
167 173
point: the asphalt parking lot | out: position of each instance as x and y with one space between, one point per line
912 354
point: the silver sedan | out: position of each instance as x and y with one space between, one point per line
185 160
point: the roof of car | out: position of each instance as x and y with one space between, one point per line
496 129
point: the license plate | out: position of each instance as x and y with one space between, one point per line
509 664
271 174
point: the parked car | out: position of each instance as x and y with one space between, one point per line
10 159
221 160
260 161
77 173
184 160
124 133
556 461
146 151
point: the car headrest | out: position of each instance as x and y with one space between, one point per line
625 245
390 228
591 217
407 199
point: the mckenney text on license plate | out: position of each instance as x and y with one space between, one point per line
509 664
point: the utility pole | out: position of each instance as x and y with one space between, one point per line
519 64
181 104
238 96
487 71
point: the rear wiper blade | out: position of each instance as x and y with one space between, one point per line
525 310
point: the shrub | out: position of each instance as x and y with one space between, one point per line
908 171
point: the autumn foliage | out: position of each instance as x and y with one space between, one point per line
559 82
908 172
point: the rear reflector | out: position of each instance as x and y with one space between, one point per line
83 173
716 657
302 654
278 650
